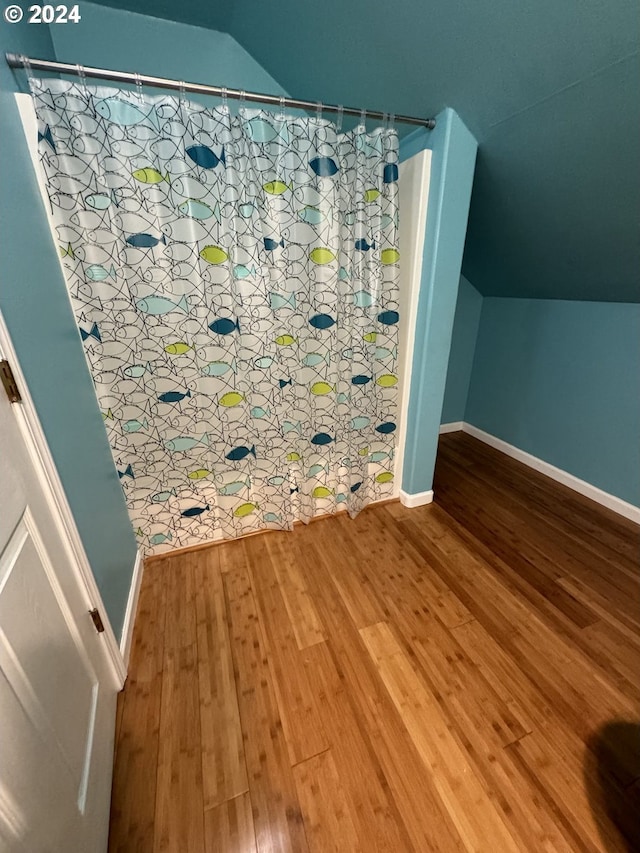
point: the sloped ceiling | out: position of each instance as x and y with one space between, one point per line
549 88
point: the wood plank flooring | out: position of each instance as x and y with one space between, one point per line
460 677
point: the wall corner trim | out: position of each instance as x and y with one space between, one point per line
132 607
454 426
606 499
419 499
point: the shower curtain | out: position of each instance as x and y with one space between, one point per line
235 284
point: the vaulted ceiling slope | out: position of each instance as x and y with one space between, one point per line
549 88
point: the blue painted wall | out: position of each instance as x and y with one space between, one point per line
463 344
560 380
126 41
452 166
34 302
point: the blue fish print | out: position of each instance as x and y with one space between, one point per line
324 167
128 472
389 318
145 241
161 497
284 382
278 300
360 422
47 137
386 428
355 487
321 438
291 426
272 517
186 442
159 305
362 245
262 131
241 271
194 510
224 326
94 332
96 272
125 114
259 412
271 245
173 396
205 157
239 453
314 358
390 173
322 321
361 379
160 538
311 215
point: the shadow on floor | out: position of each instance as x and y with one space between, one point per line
612 766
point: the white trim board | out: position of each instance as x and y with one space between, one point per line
572 482
132 608
418 499
26 413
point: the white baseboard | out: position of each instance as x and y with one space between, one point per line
593 492
132 606
419 499
454 426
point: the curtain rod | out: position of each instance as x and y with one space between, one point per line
15 60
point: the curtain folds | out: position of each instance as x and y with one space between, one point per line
235 284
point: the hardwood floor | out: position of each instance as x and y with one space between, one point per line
459 677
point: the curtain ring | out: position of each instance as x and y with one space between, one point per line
282 107
242 99
139 86
363 119
83 79
392 119
319 106
340 116
223 95
27 67
183 91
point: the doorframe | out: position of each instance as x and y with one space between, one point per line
53 490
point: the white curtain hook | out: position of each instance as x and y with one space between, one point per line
340 116
282 107
223 95
183 91
83 78
319 106
243 96
27 67
392 119
139 86
363 119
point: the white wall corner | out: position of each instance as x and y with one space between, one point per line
132 607
419 499
454 426
581 486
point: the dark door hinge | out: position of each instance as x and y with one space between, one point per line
97 620
8 382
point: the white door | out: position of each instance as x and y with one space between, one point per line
57 691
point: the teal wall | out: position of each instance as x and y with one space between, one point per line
452 166
34 302
126 41
463 344
560 381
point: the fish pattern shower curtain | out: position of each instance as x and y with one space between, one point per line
235 284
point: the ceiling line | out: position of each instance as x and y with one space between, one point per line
566 88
